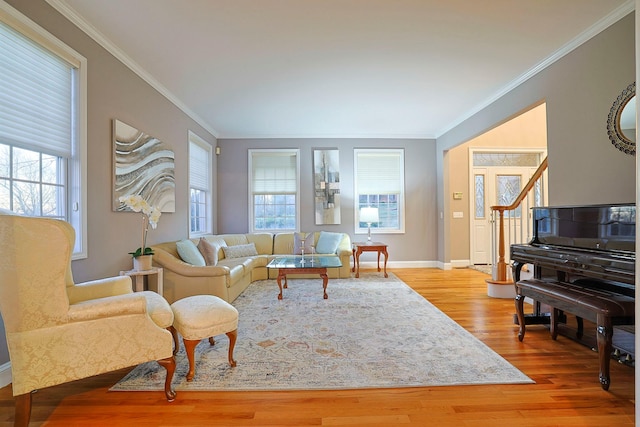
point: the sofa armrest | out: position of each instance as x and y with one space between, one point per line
165 260
344 248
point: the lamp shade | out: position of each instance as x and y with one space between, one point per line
369 215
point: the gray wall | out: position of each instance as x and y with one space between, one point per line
417 244
579 89
114 91
583 166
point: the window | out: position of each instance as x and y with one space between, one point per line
42 125
200 194
273 190
379 183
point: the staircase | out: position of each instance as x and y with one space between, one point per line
510 228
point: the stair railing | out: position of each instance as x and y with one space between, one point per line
512 230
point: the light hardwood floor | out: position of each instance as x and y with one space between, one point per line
566 393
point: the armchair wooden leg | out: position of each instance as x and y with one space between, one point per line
170 365
23 410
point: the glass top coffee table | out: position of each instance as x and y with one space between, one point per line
299 264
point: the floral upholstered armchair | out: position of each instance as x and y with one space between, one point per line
58 331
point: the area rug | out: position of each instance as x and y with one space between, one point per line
371 332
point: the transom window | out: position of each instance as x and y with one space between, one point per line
273 190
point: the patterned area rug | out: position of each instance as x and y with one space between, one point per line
372 332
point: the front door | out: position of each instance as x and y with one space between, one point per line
495 186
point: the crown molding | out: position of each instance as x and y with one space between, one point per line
604 23
103 41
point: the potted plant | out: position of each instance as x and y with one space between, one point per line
142 256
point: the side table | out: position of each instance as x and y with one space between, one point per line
138 276
359 247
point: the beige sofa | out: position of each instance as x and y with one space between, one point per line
230 276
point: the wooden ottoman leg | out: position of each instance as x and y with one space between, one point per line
233 335
176 344
190 347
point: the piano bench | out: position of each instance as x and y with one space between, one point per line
603 307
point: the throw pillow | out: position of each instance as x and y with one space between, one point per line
189 253
239 251
297 243
208 251
328 242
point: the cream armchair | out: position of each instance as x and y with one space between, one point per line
58 331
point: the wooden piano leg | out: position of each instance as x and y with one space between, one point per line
520 313
605 346
580 330
555 315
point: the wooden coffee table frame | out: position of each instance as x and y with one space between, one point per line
296 264
322 271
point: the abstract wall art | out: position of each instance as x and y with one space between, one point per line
326 181
143 165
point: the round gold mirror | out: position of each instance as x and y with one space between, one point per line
621 123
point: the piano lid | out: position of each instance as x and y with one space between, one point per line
610 228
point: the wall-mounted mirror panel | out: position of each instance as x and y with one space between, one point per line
621 123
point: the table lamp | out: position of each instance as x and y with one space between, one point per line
369 215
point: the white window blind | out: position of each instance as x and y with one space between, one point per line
198 167
274 173
379 173
35 94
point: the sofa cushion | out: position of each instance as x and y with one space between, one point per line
308 243
328 242
238 251
189 253
263 242
209 251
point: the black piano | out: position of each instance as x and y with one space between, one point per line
590 246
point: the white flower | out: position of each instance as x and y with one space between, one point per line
154 216
151 216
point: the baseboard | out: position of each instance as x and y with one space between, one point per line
5 374
460 263
443 265
400 264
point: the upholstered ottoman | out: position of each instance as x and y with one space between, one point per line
204 316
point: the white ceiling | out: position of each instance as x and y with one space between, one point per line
338 68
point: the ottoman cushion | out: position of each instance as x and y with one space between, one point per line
202 316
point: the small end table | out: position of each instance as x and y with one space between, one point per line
139 276
359 247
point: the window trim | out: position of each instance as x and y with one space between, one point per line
76 184
251 152
197 140
401 196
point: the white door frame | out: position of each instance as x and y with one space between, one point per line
541 152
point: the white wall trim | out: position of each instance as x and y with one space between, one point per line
103 41
460 263
5 374
604 23
400 264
